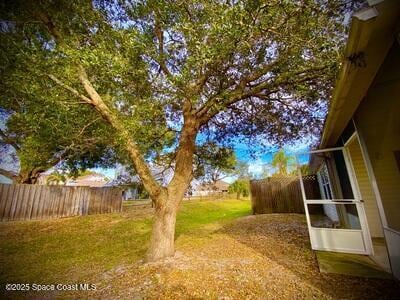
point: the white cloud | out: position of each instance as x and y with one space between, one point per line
256 167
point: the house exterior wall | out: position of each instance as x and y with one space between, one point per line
378 121
365 187
130 193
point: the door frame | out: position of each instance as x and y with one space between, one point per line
319 236
356 189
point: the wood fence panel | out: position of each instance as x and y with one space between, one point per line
85 202
14 198
35 200
67 202
118 206
4 190
39 211
28 202
93 203
19 204
110 204
63 202
71 209
53 205
281 194
82 202
47 195
39 202
14 205
103 202
23 202
51 194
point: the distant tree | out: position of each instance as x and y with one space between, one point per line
242 170
305 170
152 75
281 160
240 187
213 163
57 178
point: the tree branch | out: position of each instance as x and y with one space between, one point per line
88 125
256 74
8 140
97 102
72 90
9 174
151 185
142 169
267 87
160 37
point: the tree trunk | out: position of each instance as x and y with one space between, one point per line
30 177
167 203
163 233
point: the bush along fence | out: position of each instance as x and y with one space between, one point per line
29 202
281 194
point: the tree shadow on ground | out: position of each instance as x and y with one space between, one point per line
283 238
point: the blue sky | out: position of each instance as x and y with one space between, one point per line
243 152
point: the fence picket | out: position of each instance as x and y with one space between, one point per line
26 202
4 190
280 194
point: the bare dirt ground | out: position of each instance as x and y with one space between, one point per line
253 257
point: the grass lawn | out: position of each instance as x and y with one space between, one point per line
77 249
222 252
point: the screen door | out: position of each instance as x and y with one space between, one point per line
334 209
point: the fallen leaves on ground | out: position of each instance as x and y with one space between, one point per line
253 257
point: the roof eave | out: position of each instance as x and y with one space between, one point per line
369 41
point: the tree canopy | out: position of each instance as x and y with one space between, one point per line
159 80
247 68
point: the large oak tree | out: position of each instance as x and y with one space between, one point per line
169 77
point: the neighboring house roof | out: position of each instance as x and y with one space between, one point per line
92 180
218 186
372 33
123 176
222 185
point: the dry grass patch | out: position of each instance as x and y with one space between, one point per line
256 257
222 253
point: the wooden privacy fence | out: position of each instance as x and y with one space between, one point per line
281 194
29 202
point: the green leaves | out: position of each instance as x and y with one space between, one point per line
213 162
240 187
248 68
281 162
